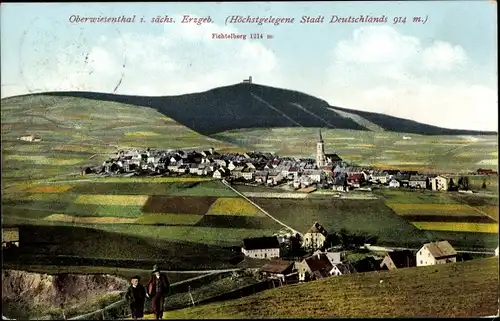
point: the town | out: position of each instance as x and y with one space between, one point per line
295 257
327 171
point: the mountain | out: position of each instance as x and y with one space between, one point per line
247 105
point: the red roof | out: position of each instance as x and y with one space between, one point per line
355 177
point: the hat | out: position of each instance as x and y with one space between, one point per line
155 268
136 277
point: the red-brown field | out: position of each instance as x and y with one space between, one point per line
178 204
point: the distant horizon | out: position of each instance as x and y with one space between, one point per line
240 83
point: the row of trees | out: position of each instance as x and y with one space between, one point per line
345 239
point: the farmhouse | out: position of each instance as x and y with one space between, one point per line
319 266
10 237
334 257
342 269
315 237
394 183
220 173
484 171
440 183
436 253
280 269
379 177
30 138
261 247
397 260
496 251
418 181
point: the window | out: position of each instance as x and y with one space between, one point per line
428 254
421 262
265 255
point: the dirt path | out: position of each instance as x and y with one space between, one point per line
260 208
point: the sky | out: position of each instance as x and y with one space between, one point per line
442 72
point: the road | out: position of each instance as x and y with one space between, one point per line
261 209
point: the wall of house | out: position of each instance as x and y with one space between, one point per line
303 270
314 240
424 257
388 263
262 253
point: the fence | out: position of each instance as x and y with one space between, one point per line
120 308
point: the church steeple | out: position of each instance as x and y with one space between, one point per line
320 151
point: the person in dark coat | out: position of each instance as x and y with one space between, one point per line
136 296
158 288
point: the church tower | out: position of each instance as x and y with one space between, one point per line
320 151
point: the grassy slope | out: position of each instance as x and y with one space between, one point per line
381 149
236 106
77 131
465 289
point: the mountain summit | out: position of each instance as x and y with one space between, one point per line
247 105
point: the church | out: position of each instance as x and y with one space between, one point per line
323 159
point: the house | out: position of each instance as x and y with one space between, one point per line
313 174
314 267
30 138
394 183
440 183
333 159
436 253
261 247
397 260
294 170
315 237
261 176
280 269
355 179
334 257
418 181
248 173
274 178
342 269
403 178
10 237
379 177
484 171
236 173
496 251
220 173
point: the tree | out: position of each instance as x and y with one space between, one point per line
332 239
452 186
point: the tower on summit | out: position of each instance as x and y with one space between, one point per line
249 80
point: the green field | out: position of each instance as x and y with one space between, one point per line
445 211
77 131
465 289
42 187
367 216
381 149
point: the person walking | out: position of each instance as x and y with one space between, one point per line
136 296
158 288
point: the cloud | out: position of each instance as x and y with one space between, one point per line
183 58
382 70
444 56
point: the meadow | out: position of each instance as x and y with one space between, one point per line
445 211
42 186
383 149
464 289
